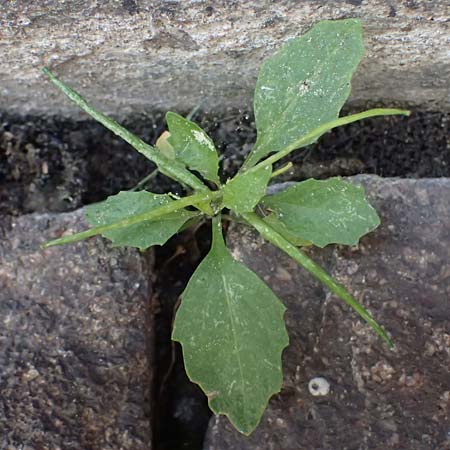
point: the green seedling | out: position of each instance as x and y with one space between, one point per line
230 324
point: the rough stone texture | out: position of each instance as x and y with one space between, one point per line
132 55
379 398
75 331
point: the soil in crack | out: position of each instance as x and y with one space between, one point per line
53 164
181 411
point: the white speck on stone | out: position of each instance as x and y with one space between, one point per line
280 422
318 386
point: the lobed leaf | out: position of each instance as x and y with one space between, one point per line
245 190
193 146
231 327
305 84
324 212
143 234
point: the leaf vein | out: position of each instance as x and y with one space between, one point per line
233 330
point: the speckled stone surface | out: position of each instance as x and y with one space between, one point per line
136 55
378 399
75 334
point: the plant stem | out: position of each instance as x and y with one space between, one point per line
153 214
275 238
317 132
144 180
281 170
169 167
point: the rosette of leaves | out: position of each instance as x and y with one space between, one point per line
230 324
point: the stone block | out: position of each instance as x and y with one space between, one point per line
133 55
75 340
377 398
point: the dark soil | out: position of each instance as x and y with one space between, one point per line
181 410
409 147
51 164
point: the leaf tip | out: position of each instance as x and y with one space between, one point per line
389 342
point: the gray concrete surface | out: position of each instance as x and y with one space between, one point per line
378 398
134 55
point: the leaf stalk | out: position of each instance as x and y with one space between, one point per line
317 132
275 238
281 170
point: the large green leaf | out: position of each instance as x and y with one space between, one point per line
231 327
305 84
245 190
324 212
193 146
128 204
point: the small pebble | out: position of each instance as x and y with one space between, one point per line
318 386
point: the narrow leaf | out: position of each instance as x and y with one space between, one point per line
143 234
271 235
245 190
171 168
320 130
305 84
193 146
324 212
231 327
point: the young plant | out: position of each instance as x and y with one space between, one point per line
230 324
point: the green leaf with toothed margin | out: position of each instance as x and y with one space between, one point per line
231 327
141 235
324 212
